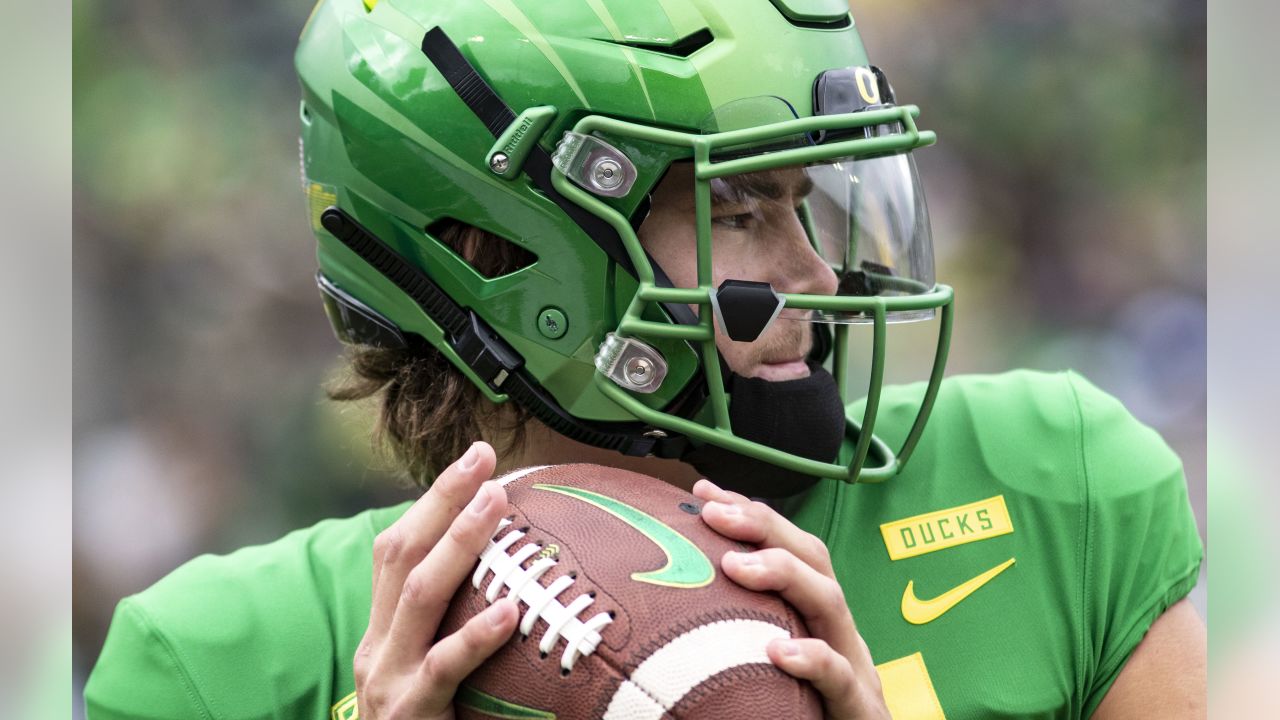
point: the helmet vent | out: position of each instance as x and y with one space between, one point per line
684 47
839 23
815 14
490 255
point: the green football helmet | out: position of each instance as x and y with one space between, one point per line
550 125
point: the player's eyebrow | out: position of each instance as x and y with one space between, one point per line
769 185
778 191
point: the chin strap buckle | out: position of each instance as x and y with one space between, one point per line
492 359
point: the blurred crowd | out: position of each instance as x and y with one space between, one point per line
1067 193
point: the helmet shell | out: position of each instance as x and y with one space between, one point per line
389 141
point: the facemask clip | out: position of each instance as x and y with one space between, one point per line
631 364
594 164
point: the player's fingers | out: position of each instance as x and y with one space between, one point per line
455 657
707 490
818 598
427 518
757 523
399 548
425 595
843 693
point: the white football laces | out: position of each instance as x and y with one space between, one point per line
541 603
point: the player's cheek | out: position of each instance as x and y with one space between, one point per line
739 360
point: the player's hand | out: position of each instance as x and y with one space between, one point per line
797 565
418 563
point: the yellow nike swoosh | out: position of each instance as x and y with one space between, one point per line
919 612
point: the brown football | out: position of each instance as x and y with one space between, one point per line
624 613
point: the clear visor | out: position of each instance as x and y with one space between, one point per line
827 237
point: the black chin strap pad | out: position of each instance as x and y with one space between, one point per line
803 417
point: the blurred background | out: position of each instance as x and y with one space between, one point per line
1244 642
1069 210
35 427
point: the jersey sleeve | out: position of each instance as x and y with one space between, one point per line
1142 549
266 631
138 674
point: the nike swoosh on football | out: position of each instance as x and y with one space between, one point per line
491 706
919 612
687 566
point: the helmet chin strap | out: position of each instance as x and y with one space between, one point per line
803 417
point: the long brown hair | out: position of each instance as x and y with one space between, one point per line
429 412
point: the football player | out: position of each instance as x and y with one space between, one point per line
639 234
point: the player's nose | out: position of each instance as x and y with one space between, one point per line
798 267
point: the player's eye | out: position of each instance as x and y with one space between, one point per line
741 221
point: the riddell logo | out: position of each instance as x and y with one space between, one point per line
940 529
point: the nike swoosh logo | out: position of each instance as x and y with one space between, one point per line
687 566
919 612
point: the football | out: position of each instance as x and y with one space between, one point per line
624 613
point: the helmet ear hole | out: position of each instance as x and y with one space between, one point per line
489 254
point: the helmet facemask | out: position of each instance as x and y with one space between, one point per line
786 230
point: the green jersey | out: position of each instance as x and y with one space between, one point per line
1035 535
1011 569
